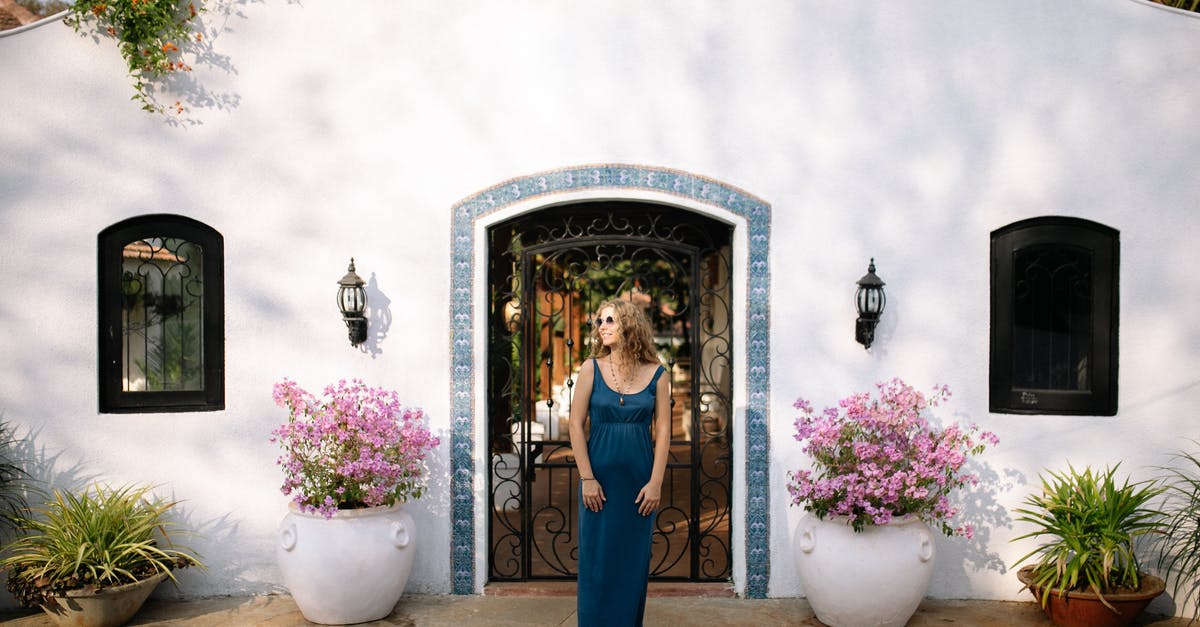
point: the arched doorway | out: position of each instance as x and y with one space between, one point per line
548 272
468 438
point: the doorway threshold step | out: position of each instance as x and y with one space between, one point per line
567 589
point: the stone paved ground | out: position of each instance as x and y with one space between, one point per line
504 611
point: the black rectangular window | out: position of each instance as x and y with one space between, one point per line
1054 317
161 316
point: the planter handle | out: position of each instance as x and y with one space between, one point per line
808 539
287 536
926 549
399 534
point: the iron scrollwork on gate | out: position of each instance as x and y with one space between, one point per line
548 272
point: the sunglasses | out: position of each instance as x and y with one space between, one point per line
600 321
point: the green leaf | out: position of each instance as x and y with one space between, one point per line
1088 523
101 537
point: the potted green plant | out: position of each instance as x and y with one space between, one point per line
1178 547
92 557
1086 572
882 473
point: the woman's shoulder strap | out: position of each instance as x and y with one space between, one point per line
657 373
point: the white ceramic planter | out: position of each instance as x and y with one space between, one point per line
351 568
875 578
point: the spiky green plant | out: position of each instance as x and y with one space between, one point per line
98 538
13 483
1088 523
1179 544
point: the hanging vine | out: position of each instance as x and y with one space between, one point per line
149 34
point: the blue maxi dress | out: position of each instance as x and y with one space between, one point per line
614 543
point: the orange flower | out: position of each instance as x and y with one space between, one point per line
111 31
97 9
169 47
199 37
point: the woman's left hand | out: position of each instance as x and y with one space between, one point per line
649 498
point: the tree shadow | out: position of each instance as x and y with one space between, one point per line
180 94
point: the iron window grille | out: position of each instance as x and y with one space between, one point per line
1054 313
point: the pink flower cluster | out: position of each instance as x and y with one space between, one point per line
356 446
875 459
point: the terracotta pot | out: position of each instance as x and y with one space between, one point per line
351 568
876 577
107 607
1084 609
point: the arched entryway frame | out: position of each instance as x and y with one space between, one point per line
751 218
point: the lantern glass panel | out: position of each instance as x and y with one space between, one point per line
870 301
352 300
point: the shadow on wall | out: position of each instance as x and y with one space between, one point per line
43 469
379 317
959 557
183 87
980 509
223 530
438 492
181 93
43 475
47 474
434 513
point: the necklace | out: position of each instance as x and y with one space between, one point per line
612 369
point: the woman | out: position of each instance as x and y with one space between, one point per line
622 390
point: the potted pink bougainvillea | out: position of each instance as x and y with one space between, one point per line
881 472
351 458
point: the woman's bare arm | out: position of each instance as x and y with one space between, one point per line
650 497
593 493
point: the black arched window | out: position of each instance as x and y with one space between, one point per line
161 297
1054 317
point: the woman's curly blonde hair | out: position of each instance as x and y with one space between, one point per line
637 338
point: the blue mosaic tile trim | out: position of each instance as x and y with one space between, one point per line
758 217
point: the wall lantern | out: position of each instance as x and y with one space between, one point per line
352 300
870 300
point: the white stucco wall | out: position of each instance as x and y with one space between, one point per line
906 132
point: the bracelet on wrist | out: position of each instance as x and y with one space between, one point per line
587 478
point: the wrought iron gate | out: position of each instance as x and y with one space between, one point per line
548 272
